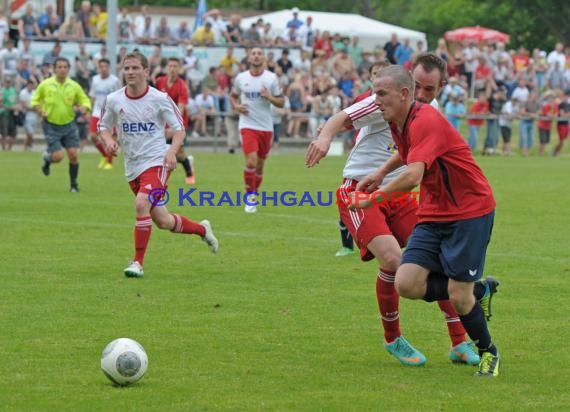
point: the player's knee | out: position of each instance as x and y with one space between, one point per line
407 287
462 301
57 157
390 260
163 223
142 207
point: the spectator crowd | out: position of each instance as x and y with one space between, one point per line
489 88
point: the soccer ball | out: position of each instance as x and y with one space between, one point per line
124 361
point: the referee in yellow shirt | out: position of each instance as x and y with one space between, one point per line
54 100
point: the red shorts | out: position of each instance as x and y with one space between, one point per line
155 177
256 141
396 218
563 130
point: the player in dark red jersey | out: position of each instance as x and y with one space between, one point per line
173 85
445 255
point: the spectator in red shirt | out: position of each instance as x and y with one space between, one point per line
480 107
484 77
548 110
521 59
324 43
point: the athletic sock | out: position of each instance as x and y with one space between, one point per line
143 228
101 147
345 236
454 326
187 168
388 302
249 179
479 290
436 288
258 180
184 225
476 327
73 172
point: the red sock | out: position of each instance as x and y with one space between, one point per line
249 179
456 330
184 225
388 302
101 147
258 180
143 227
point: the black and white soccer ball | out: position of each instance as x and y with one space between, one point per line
124 361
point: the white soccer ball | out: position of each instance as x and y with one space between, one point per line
124 361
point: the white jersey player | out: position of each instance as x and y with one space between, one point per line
102 85
252 96
140 113
141 124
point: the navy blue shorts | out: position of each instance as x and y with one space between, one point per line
456 249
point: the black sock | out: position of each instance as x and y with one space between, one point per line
186 164
479 290
73 172
436 288
476 327
345 236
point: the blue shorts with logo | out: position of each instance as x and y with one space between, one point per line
456 249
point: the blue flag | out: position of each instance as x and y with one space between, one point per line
200 11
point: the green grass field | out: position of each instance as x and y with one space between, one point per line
274 322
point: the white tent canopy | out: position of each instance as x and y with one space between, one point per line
371 32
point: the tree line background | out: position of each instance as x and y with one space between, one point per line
531 23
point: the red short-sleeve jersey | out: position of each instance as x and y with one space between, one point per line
178 92
453 186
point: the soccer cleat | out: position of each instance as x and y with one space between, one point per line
102 162
45 166
491 284
74 189
108 166
251 208
134 270
209 237
489 365
464 353
402 350
344 251
190 180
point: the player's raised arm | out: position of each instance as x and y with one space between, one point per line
319 148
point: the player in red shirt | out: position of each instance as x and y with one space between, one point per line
445 255
173 85
479 107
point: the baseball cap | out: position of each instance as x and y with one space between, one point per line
295 10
